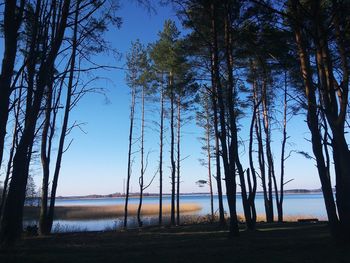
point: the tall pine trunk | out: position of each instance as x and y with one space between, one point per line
234 159
45 162
269 157
261 159
178 160
208 146
217 158
283 150
132 113
172 146
251 173
142 171
161 137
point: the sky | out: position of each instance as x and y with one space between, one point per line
96 162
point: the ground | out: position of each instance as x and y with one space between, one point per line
287 242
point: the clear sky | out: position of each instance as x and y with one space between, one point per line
96 162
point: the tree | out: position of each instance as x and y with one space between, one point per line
139 77
13 17
16 109
309 22
216 37
31 193
132 60
11 222
204 120
46 215
161 138
165 54
89 21
265 54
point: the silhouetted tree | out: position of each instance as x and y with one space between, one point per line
13 17
11 222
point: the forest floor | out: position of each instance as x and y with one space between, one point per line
286 242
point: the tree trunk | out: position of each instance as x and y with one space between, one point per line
283 149
45 162
132 113
335 98
178 160
172 158
12 150
141 179
160 218
252 172
209 159
261 158
270 163
217 155
234 159
313 124
230 179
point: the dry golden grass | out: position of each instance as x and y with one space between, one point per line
98 212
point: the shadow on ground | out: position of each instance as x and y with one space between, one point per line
287 242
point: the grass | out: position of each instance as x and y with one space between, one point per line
280 243
98 212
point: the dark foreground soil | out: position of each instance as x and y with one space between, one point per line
287 242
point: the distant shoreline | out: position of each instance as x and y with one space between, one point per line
119 195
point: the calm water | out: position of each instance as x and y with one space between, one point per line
294 205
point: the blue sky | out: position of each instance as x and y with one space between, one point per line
96 162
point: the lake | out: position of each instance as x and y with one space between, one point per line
298 205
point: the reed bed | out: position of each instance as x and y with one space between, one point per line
99 212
